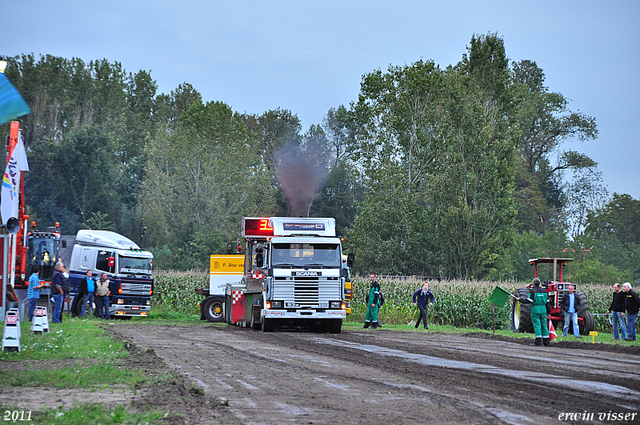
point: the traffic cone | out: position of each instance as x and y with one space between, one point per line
11 335
552 331
37 325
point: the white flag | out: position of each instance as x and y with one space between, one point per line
11 182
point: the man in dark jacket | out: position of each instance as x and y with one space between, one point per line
373 303
632 305
57 292
570 305
617 312
424 296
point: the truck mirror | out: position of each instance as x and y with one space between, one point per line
111 262
63 243
259 260
350 259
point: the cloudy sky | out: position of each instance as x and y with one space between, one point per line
310 56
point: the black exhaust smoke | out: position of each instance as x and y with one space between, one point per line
301 173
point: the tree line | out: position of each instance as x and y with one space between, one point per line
460 172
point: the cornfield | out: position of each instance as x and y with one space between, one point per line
459 303
176 291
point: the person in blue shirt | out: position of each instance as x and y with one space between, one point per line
570 304
87 288
424 297
33 290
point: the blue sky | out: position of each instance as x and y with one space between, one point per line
310 56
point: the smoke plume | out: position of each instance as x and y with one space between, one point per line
301 174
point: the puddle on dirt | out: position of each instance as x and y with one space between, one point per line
600 388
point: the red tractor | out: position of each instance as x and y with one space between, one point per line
521 312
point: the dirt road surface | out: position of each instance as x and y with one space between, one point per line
381 376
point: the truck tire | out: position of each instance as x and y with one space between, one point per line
589 324
335 326
267 325
584 304
213 309
76 306
521 313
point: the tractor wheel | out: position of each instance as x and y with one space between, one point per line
212 309
521 313
584 304
589 324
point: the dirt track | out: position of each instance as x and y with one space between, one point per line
380 376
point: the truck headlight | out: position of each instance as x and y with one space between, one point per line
276 304
335 304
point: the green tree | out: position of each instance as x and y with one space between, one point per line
545 124
438 153
200 181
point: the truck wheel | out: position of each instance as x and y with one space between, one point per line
212 309
335 326
267 325
521 313
584 304
76 306
589 324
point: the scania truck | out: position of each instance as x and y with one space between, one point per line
128 268
293 276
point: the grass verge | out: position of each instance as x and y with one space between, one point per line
77 353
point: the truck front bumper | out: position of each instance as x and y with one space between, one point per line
305 314
129 310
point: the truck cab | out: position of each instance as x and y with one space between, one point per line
128 268
293 276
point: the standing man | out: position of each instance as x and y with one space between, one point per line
424 297
102 296
617 312
632 305
87 288
57 292
570 304
33 291
540 300
373 303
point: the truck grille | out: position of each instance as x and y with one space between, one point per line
306 293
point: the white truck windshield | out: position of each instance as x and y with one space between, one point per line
305 255
134 265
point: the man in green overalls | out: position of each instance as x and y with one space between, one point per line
373 303
538 296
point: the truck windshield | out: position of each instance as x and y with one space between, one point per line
134 265
301 255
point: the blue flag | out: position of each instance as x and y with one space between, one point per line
12 105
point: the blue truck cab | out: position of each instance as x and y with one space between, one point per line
128 268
